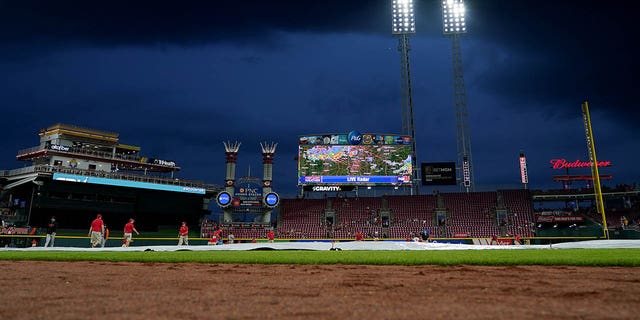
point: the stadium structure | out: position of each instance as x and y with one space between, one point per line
246 202
335 168
75 173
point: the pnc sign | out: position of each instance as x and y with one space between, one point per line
558 164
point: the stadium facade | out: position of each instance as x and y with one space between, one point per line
75 173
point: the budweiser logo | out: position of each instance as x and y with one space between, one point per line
564 164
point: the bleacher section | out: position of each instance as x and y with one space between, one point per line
521 214
357 214
301 218
411 214
470 214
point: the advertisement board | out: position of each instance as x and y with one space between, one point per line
248 196
354 138
524 176
438 173
126 183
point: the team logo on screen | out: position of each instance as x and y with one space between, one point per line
367 139
354 137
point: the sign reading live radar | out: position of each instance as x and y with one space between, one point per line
354 159
438 173
223 199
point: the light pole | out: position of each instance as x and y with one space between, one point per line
403 25
453 26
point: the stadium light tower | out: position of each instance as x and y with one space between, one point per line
403 25
455 25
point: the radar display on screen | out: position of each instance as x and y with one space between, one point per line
354 164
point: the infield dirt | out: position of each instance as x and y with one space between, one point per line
115 290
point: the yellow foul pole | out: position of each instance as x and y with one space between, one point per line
594 166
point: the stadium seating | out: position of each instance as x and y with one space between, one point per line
520 207
411 214
471 214
301 218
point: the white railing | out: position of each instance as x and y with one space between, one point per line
94 153
16 172
29 150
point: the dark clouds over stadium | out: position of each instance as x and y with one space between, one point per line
178 78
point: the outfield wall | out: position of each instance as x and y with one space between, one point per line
82 241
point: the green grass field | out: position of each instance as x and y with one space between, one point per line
565 257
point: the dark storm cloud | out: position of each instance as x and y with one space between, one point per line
121 23
558 53
555 52
165 74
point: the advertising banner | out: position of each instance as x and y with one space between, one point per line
126 183
558 219
438 173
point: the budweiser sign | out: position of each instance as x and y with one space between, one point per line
564 164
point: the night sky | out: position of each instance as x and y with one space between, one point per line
178 78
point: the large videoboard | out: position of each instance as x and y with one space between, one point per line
354 159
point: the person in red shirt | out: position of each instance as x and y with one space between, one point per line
183 233
96 231
129 228
517 240
218 235
271 236
215 238
359 236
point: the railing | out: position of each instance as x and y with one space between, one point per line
92 152
80 150
29 150
583 195
16 172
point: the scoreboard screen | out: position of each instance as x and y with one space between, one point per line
364 164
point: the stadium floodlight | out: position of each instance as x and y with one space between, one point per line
453 17
403 21
454 24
